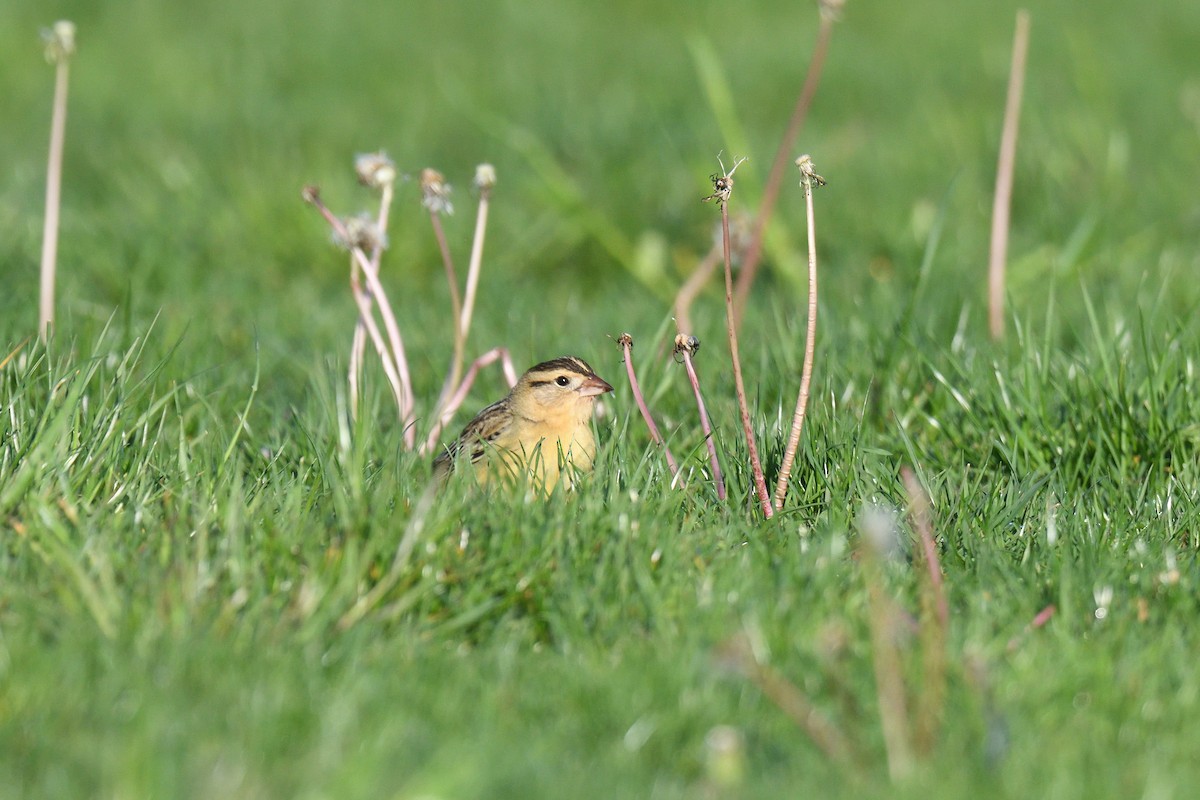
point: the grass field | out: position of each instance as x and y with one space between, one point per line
212 585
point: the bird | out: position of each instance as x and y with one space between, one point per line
541 429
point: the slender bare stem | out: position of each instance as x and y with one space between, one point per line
385 357
686 346
889 675
399 365
1001 203
691 288
779 166
626 342
60 45
456 399
760 485
789 453
922 519
359 342
358 347
485 179
935 618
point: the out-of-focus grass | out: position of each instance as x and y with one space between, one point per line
176 584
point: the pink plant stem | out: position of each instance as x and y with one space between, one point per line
718 478
1001 203
385 358
934 621
359 342
358 345
919 504
626 342
399 365
691 288
789 454
760 485
812 79
455 371
58 128
473 269
889 673
456 400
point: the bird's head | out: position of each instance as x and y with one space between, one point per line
566 385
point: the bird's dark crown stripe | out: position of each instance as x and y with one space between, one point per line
565 362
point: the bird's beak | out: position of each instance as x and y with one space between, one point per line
593 386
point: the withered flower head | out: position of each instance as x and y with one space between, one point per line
60 41
435 192
375 170
808 173
686 343
362 232
485 177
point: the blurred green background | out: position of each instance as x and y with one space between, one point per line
192 128
170 598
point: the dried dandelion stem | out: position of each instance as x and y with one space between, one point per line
485 179
60 46
889 674
829 15
808 178
625 340
935 618
723 189
359 342
1002 201
395 363
686 346
435 196
456 399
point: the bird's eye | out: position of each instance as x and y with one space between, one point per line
563 380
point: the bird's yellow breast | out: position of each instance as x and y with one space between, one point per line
544 446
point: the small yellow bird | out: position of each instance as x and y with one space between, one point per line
541 428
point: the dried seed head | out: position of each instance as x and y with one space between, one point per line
722 182
435 192
686 343
362 232
60 41
808 174
485 177
625 340
375 170
831 9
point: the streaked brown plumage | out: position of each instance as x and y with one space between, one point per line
548 412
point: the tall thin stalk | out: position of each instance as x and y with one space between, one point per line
625 341
809 177
686 347
1005 162
395 362
935 618
830 11
377 171
60 46
485 180
722 191
435 196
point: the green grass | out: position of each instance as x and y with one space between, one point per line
211 586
